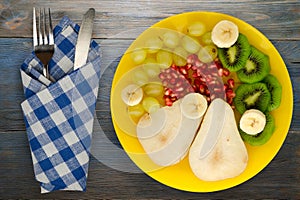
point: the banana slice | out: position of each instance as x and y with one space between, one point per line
225 34
132 95
193 105
253 121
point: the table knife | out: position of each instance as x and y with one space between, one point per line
84 38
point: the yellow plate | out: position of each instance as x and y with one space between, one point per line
180 176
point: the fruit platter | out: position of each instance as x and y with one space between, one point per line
201 101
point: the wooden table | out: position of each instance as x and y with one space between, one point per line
116 26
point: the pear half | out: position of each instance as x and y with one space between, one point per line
218 151
171 143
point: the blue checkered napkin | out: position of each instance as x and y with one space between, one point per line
59 116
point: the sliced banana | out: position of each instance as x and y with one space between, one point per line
151 124
225 34
132 95
193 105
253 121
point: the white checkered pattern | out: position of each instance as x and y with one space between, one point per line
59 116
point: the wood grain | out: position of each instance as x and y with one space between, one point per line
117 25
115 17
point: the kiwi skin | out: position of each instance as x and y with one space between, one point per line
257 67
241 48
254 95
275 90
262 137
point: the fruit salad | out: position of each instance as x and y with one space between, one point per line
216 63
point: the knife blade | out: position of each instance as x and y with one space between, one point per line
84 39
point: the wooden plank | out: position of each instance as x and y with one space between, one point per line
278 20
17 177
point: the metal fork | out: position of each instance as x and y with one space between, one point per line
43 40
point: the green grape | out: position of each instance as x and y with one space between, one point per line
190 44
140 77
170 39
154 89
150 104
138 56
196 29
179 56
153 44
151 67
208 53
206 38
136 111
164 59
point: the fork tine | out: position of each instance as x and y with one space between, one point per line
35 40
45 26
51 38
40 29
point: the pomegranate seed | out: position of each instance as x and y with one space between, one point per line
226 72
230 83
174 74
178 84
218 64
195 74
168 92
173 98
173 81
191 58
172 95
179 89
203 79
198 72
226 86
168 76
217 90
215 74
161 75
183 71
168 102
208 99
191 89
207 92
195 88
202 89
230 101
198 63
220 72
188 66
212 66
173 66
197 81
212 97
165 82
194 67
168 70
213 82
230 93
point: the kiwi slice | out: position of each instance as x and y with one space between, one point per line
275 90
234 58
255 95
257 67
262 137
